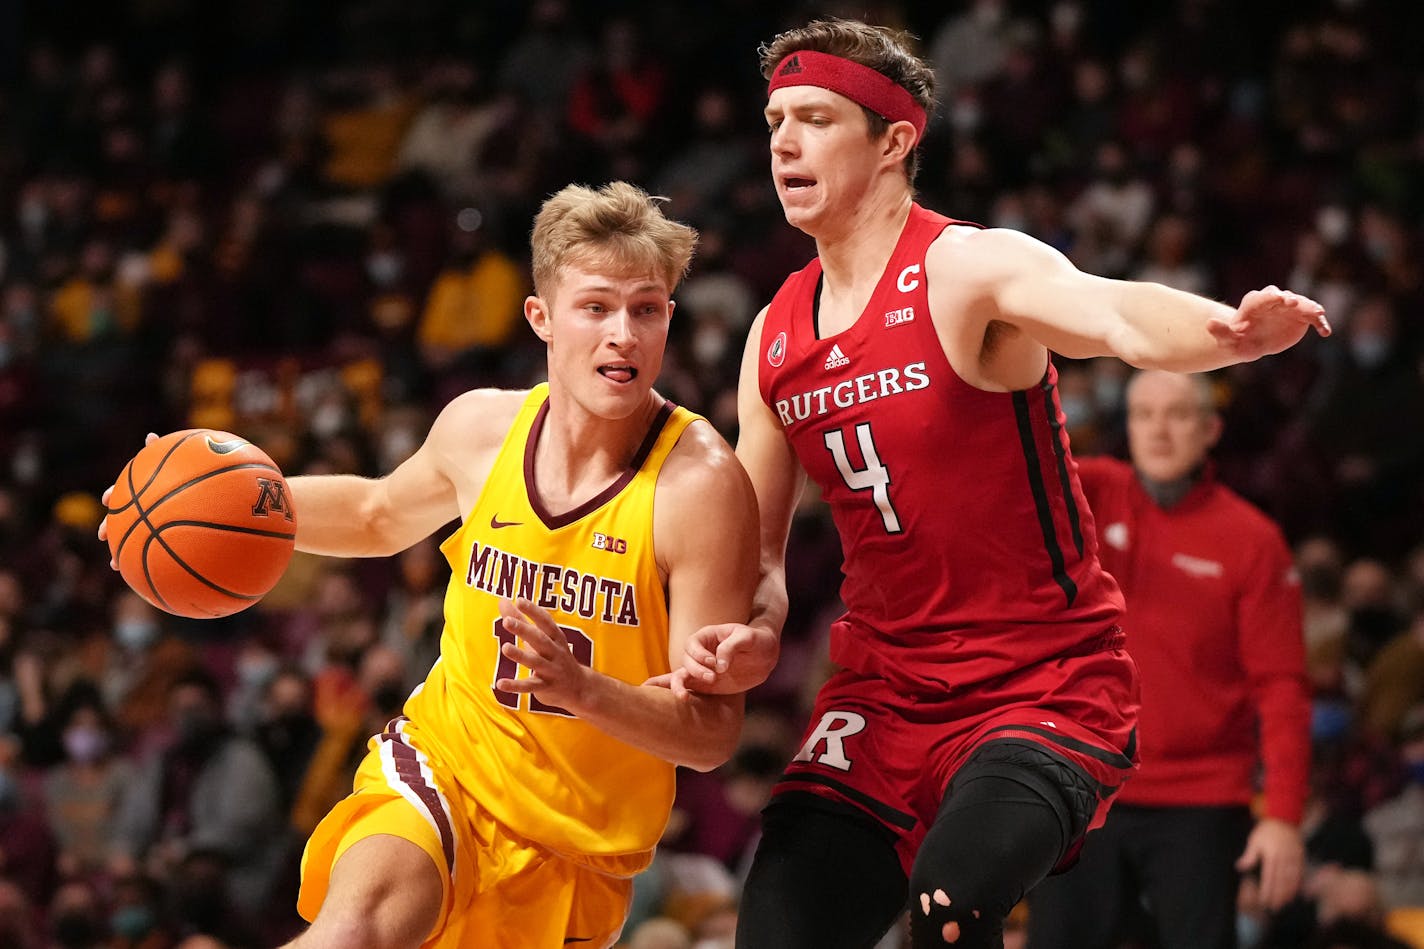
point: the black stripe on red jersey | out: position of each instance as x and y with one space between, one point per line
816 306
1114 758
1040 497
1072 505
879 808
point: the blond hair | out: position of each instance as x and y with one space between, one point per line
618 228
885 50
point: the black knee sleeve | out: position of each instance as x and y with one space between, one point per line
1005 822
823 878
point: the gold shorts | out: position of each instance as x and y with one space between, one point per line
500 890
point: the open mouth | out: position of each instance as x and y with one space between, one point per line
793 184
619 372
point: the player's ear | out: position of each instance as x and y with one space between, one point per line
536 311
900 139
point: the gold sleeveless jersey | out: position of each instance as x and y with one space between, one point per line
545 774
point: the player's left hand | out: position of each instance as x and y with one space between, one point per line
723 660
1277 849
1268 321
103 529
555 676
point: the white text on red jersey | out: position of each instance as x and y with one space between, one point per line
852 391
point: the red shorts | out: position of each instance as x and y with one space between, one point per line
892 755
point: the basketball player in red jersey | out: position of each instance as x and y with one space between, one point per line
984 708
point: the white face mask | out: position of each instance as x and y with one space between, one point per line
384 268
86 743
1078 409
1333 224
135 634
1370 349
708 344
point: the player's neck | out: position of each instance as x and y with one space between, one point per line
579 453
855 253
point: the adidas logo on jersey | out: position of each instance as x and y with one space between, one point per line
837 358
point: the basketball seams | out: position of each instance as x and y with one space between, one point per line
143 513
218 549
151 539
135 496
230 528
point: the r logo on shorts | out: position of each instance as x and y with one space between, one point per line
834 728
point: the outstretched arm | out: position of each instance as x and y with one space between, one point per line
351 516
1023 282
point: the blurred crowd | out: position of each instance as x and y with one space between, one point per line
307 224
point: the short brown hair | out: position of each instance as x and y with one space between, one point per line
618 226
887 51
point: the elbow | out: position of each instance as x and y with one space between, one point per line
716 751
379 528
710 759
1132 349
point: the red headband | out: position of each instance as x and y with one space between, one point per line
861 84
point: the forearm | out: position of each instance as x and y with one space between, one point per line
1164 328
770 602
337 517
698 732
1284 705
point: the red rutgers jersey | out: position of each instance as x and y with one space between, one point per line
970 549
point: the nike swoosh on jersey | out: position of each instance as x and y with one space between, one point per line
496 523
224 447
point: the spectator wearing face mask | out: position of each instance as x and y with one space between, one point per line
1397 825
1394 679
81 794
287 729
1357 431
348 711
27 851
136 666
209 791
75 917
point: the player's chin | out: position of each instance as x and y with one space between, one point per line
613 399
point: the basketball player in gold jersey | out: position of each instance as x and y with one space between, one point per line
532 772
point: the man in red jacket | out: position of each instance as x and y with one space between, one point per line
1214 624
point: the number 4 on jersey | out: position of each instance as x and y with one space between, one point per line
874 477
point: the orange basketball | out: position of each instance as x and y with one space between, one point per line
201 524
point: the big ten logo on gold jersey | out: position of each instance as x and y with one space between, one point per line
614 545
553 586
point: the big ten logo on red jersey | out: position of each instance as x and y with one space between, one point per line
903 315
832 731
614 545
